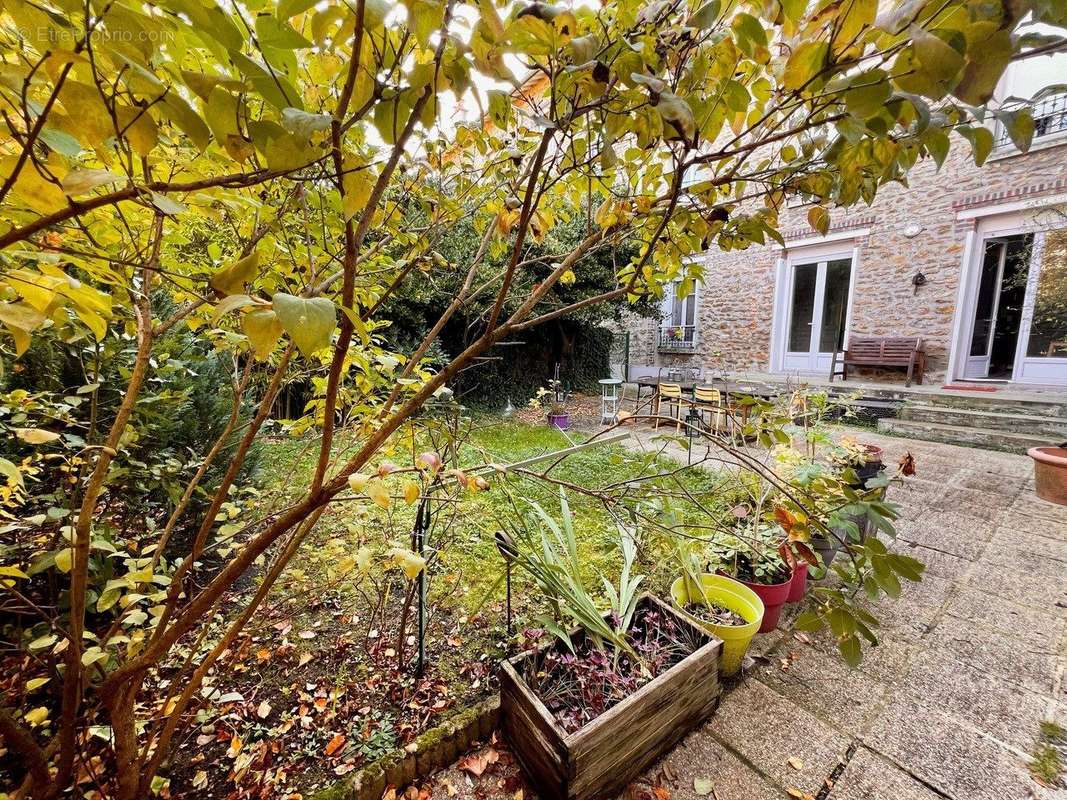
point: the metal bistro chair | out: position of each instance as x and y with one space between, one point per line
672 393
707 400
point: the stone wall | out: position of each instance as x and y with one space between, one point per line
736 298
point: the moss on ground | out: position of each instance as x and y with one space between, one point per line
1046 764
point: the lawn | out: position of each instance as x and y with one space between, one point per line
322 680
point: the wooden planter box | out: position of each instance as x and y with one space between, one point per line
602 758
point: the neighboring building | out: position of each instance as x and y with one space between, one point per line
973 260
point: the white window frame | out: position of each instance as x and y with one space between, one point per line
670 297
822 252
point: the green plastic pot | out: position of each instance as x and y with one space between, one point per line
732 595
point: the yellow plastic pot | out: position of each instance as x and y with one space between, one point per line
730 594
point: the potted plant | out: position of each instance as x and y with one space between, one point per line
553 400
721 605
1050 472
640 673
857 461
752 557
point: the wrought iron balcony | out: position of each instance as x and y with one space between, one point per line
677 337
1050 118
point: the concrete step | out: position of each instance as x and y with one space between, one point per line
1037 424
966 435
998 403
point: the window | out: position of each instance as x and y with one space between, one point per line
678 324
1048 329
1037 82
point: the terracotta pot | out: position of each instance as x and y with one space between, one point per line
773 596
561 421
798 584
1050 473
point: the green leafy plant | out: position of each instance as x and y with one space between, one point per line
553 562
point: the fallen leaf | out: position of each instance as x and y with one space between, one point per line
263 655
795 763
477 763
703 786
336 743
264 710
305 658
661 793
235 746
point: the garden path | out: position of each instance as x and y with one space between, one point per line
949 705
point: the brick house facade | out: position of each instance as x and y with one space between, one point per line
752 305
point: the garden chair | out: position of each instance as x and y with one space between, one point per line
672 393
707 400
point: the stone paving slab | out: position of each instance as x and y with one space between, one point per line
871 777
1041 629
701 757
959 762
1021 587
1025 657
768 730
998 708
820 683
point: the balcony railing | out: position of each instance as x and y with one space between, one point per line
678 337
1050 118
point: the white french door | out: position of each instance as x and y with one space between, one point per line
987 305
1029 346
817 312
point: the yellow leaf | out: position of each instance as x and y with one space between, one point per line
310 322
139 129
37 716
567 278
21 316
64 559
411 492
36 435
90 120
358 183
378 494
358 482
232 279
411 563
363 558
263 329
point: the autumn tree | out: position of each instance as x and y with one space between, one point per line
308 131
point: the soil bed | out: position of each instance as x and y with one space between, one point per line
580 686
715 614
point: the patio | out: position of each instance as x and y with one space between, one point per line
949 705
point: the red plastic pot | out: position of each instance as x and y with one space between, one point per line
773 596
798 584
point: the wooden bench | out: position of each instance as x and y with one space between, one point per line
883 351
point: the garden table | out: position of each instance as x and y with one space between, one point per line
729 389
